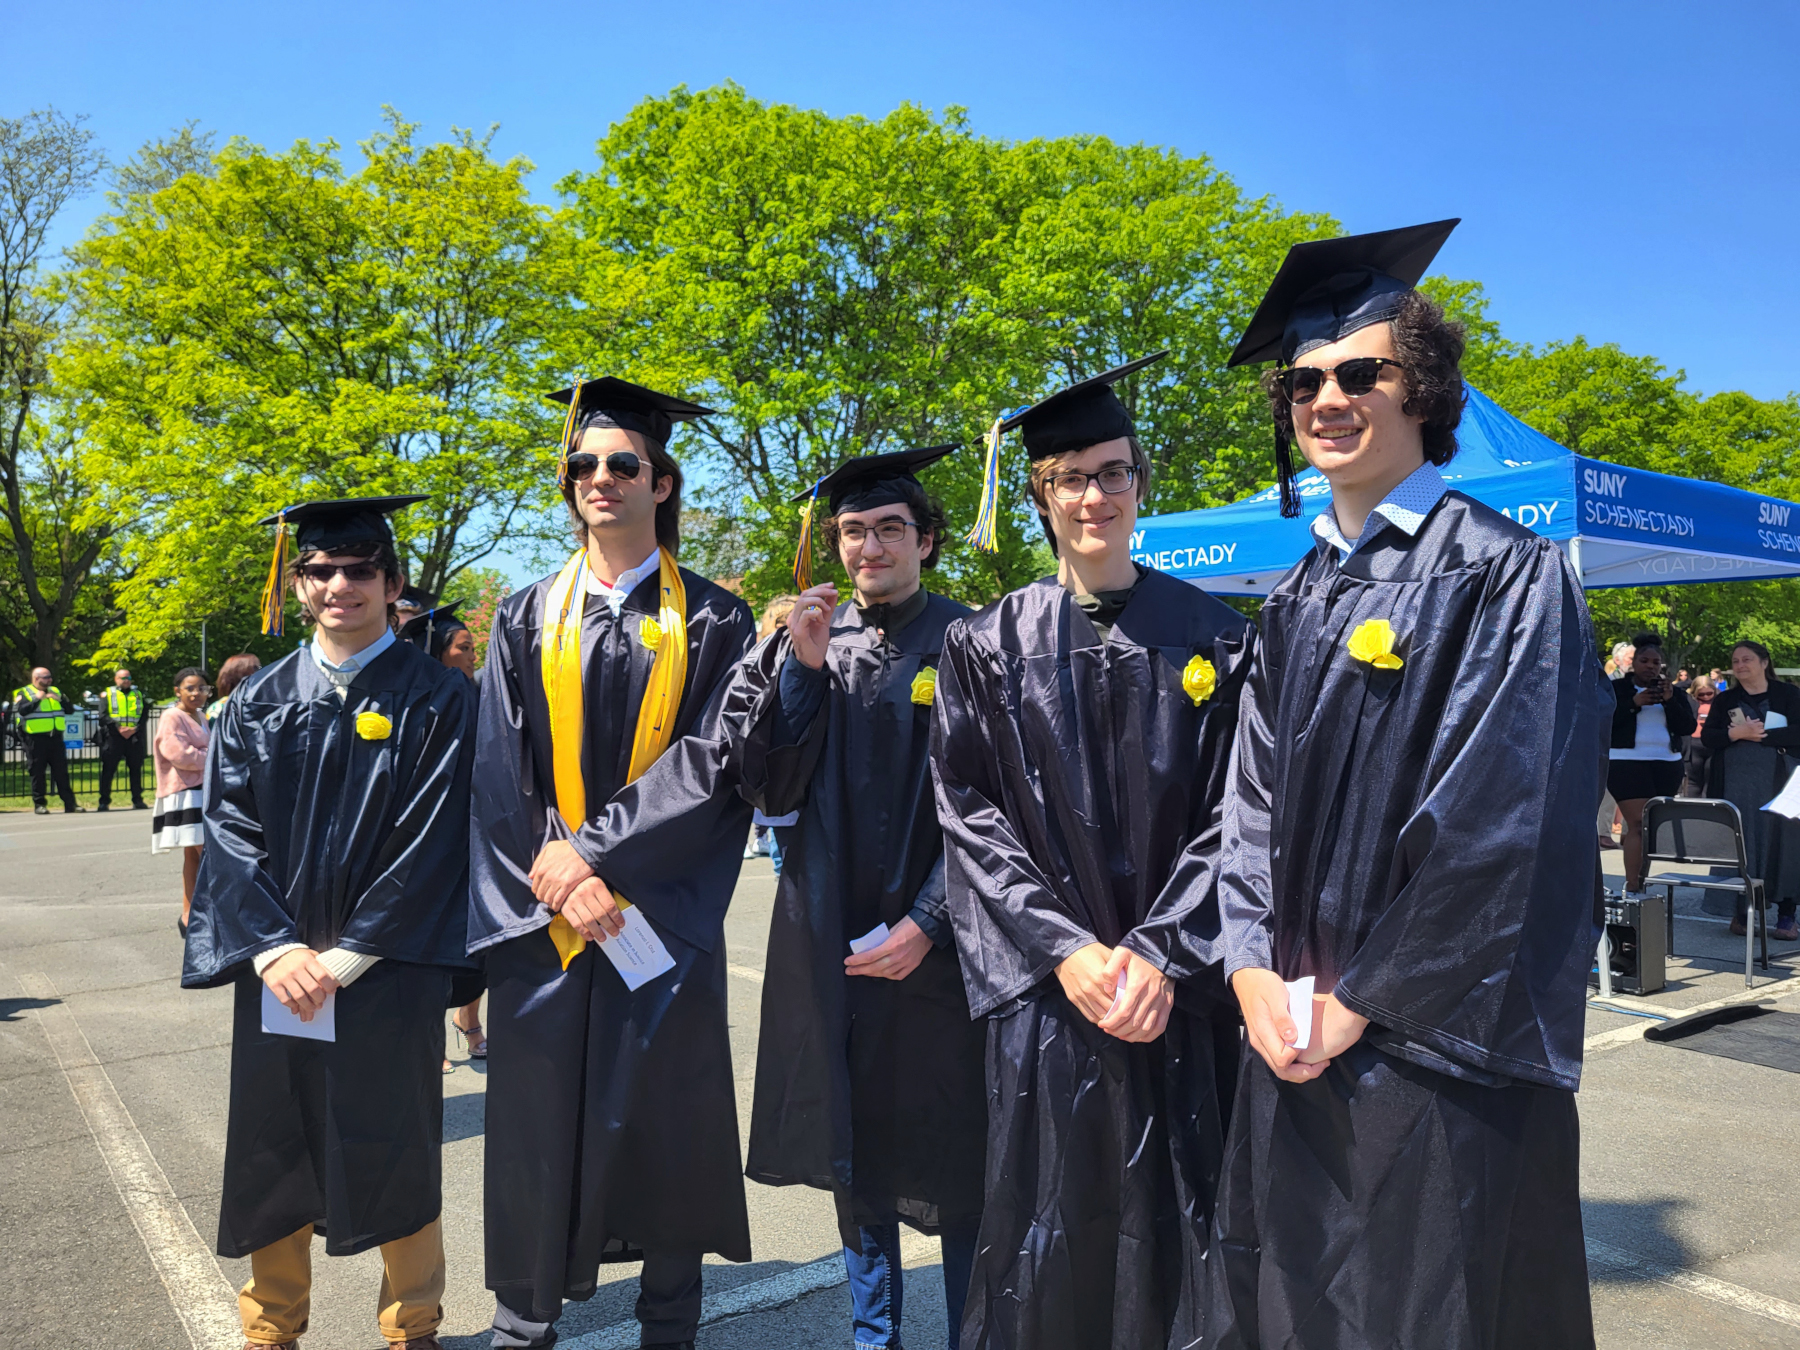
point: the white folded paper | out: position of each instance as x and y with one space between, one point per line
1773 720
869 940
1118 992
1787 801
1300 1008
637 953
278 1020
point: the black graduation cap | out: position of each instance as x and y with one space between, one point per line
612 402
323 527
1328 288
860 485
411 597
431 631
1068 421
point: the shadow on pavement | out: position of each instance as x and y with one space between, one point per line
1641 1228
10 1008
465 1116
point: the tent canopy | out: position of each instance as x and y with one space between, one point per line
1620 526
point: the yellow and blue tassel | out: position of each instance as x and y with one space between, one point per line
803 554
568 431
274 596
987 518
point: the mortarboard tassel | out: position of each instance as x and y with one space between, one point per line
562 462
1284 475
986 519
274 596
803 554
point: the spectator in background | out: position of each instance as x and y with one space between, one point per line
234 672
181 740
1620 661
1702 691
1751 731
762 828
122 710
40 709
1651 722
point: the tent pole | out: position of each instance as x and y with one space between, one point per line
1575 558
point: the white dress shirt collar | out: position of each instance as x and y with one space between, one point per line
616 594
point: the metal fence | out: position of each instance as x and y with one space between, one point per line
81 742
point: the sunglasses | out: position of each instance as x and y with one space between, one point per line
322 573
620 464
1355 377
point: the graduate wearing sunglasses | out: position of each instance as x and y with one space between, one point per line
1409 839
601 783
334 876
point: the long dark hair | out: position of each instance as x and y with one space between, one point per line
1761 651
668 510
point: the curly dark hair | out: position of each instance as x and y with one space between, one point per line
1430 347
927 512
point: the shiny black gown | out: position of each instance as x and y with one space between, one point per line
317 834
611 1116
1080 789
1421 841
869 1088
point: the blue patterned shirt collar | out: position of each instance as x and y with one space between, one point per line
351 664
1405 508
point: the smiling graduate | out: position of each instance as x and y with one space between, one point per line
1082 736
1421 750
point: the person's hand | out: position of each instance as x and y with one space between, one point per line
897 957
300 982
1335 1030
809 624
592 911
128 732
1140 1011
1085 980
1645 697
1263 996
559 869
1747 730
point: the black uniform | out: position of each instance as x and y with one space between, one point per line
115 747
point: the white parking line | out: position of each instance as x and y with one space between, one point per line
1719 1291
203 1299
765 1295
750 973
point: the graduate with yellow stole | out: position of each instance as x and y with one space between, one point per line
606 839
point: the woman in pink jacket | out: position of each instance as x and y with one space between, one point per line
181 739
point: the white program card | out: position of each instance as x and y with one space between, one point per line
1300 1008
277 1020
637 953
876 936
1773 721
1787 801
1118 992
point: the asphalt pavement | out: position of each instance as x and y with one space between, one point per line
113 1097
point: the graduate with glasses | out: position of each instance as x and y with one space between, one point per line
868 1073
332 895
1409 860
602 793
1082 735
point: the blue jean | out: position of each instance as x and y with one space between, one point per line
775 850
876 1280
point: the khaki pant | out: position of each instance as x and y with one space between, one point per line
275 1304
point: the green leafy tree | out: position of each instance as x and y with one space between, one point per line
275 328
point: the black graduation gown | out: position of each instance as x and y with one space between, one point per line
1080 789
317 834
1421 841
611 1117
869 1088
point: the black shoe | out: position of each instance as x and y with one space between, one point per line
74 810
41 810
181 927
103 807
140 806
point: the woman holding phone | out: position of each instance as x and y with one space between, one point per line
1651 722
1751 735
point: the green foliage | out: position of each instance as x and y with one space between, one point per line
280 329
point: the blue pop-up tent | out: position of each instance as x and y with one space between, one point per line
1619 526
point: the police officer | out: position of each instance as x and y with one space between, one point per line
122 737
39 708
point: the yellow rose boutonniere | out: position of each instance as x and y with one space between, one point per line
1373 641
372 726
1199 680
924 686
650 633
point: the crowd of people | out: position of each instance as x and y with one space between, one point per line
1196 982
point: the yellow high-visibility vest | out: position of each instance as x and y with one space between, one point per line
49 715
124 706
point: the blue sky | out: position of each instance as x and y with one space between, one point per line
1626 172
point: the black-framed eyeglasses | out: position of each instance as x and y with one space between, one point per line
321 573
1355 377
887 531
1072 485
620 464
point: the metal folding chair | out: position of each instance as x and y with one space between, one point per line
1707 831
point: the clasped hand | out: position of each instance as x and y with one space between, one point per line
1263 995
300 982
1090 977
897 957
